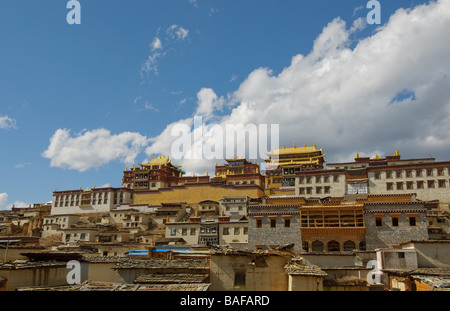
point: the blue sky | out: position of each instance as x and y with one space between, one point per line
133 68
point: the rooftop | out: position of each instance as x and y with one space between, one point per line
112 286
293 268
157 263
178 278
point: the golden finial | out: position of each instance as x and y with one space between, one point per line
396 153
357 155
294 145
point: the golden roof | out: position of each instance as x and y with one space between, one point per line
295 150
159 161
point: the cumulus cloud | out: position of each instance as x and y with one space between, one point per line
5 205
7 122
92 149
3 201
208 103
351 99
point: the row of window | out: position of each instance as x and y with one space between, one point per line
319 179
273 223
419 184
395 221
225 231
413 173
314 190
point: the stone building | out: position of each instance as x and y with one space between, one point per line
392 223
273 224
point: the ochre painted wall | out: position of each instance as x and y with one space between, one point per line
193 194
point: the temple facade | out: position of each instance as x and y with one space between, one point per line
284 164
427 178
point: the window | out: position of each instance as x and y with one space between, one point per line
409 185
440 172
420 184
318 190
82 236
389 186
399 186
273 223
412 221
237 231
429 172
394 221
401 255
239 278
193 231
389 175
173 231
430 183
378 221
184 231
418 173
326 179
398 174
226 231
287 223
409 173
327 189
258 223
441 183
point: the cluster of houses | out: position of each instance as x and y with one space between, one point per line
240 230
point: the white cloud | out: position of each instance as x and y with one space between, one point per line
194 2
148 106
22 165
342 97
92 149
7 123
208 103
5 205
156 44
177 32
159 50
4 201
